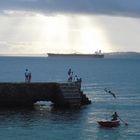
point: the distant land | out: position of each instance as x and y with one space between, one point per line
122 55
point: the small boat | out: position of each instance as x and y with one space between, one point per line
109 123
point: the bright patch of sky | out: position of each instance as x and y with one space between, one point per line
41 26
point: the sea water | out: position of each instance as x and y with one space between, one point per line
43 122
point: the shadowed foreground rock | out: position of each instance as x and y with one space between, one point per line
26 94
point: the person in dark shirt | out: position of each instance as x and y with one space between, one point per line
26 76
114 116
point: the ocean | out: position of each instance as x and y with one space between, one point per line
43 122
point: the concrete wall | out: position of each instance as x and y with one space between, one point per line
26 94
22 94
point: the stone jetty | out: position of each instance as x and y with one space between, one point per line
26 94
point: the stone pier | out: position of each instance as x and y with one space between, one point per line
26 94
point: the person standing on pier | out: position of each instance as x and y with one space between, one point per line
29 77
26 76
75 78
70 73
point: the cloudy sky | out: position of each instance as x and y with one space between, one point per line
64 26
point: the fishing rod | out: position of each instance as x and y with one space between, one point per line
123 121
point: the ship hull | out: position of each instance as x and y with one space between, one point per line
109 123
76 55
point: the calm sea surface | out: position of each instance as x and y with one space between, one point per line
122 76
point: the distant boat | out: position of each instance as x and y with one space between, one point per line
76 55
109 123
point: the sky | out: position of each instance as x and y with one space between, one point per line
69 26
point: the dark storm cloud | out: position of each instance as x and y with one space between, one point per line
117 7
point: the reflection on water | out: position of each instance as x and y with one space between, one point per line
30 116
43 120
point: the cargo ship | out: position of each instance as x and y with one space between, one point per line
97 54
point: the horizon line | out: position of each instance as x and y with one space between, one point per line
45 54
